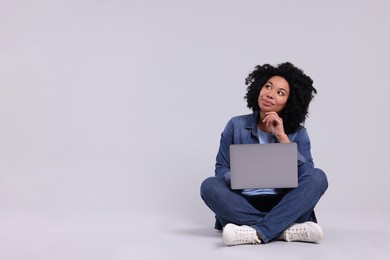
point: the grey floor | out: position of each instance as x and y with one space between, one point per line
119 236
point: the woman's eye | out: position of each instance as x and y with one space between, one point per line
281 93
268 86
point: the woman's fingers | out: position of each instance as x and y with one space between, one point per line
272 118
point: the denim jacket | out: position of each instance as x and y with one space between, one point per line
243 130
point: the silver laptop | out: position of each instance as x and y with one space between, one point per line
271 165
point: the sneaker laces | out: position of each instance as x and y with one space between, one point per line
300 234
247 236
256 239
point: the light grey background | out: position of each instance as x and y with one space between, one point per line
115 108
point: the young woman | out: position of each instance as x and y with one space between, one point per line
279 97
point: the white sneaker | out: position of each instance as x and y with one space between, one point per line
304 232
238 235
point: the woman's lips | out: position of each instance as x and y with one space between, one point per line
267 103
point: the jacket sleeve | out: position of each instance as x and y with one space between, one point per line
222 165
305 160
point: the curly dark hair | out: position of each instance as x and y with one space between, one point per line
301 92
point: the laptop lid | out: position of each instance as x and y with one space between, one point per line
272 165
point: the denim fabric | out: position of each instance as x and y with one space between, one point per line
230 206
243 130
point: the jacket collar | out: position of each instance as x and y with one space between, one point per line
251 122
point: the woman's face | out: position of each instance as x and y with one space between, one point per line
274 94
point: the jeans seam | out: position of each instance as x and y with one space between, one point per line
261 235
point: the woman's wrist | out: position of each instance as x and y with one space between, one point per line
283 139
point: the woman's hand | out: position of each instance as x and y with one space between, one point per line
273 120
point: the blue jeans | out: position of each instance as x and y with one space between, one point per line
296 206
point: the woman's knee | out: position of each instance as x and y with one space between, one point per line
320 179
315 178
209 185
